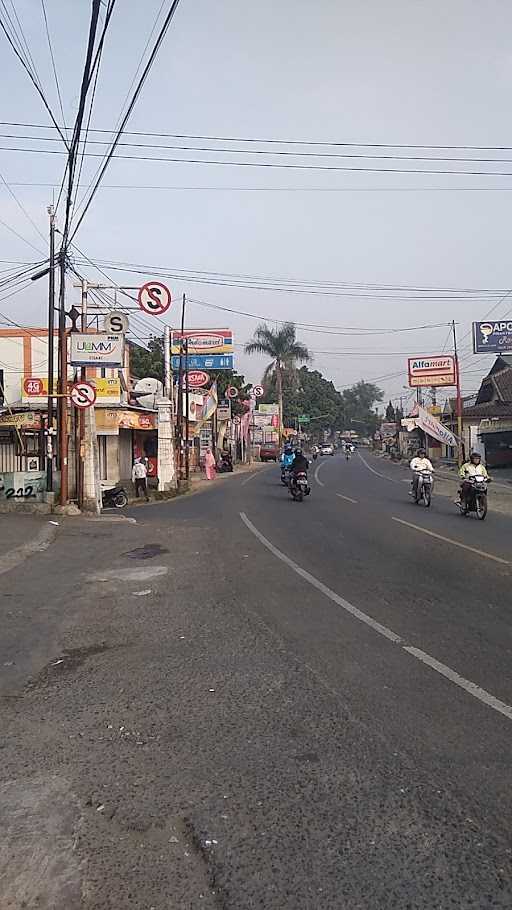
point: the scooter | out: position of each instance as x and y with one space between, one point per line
114 496
424 488
475 499
299 487
225 464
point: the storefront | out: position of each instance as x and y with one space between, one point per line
123 435
496 436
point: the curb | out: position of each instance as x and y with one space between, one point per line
41 542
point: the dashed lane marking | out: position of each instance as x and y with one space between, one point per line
341 496
455 543
471 688
319 482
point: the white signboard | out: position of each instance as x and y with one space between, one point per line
116 322
434 428
100 349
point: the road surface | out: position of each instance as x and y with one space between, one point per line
244 702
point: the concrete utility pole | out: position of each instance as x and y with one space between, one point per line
51 376
460 449
63 382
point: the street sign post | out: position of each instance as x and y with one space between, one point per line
304 418
154 298
83 395
232 391
257 391
116 323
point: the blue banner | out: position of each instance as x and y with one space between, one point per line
492 337
205 362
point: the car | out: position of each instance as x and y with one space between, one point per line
269 452
327 449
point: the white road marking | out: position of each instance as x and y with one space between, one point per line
355 501
472 688
319 482
377 473
252 475
455 543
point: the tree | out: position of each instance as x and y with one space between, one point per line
315 397
390 413
358 406
285 351
148 362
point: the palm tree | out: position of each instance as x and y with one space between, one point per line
284 349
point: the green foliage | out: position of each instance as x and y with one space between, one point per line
148 363
280 345
315 396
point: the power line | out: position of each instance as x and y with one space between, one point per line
286 189
21 207
309 142
20 237
133 101
261 164
43 8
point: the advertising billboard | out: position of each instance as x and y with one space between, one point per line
432 371
100 349
204 362
35 389
203 341
492 337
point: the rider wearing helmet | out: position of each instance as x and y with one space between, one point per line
300 462
471 468
419 463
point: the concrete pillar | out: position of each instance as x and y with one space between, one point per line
167 479
92 483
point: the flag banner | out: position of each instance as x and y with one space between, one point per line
434 428
210 402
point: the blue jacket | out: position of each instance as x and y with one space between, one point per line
286 459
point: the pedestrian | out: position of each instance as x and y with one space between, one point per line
140 478
209 465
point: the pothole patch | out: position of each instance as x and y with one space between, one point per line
148 551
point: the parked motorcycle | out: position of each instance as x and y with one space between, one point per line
475 499
424 488
114 497
225 465
299 487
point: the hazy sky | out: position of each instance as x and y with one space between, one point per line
401 72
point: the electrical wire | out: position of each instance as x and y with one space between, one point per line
133 101
47 29
316 142
19 236
21 207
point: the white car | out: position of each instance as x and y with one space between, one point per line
327 449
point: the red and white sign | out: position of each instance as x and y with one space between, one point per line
432 371
232 391
197 379
154 298
83 395
33 387
257 391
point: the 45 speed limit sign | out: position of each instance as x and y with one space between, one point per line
83 395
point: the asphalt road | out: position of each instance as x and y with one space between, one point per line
244 702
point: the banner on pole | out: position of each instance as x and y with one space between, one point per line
434 428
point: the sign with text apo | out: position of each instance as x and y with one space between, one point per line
205 362
492 337
432 371
203 341
100 349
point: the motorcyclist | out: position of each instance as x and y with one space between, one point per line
420 463
286 459
299 463
471 468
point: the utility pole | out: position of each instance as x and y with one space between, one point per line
63 381
180 392
187 403
460 450
81 415
51 377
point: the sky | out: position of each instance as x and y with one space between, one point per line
398 73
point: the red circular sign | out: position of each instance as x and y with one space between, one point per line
197 379
154 298
232 391
83 395
33 386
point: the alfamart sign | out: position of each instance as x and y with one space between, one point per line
432 371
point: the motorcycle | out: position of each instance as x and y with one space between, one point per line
285 476
475 499
225 465
299 487
114 497
424 488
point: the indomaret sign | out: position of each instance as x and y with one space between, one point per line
432 371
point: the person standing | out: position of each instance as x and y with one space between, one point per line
140 478
209 465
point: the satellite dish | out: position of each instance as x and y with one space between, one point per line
147 392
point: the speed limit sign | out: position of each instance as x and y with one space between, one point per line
83 395
154 298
